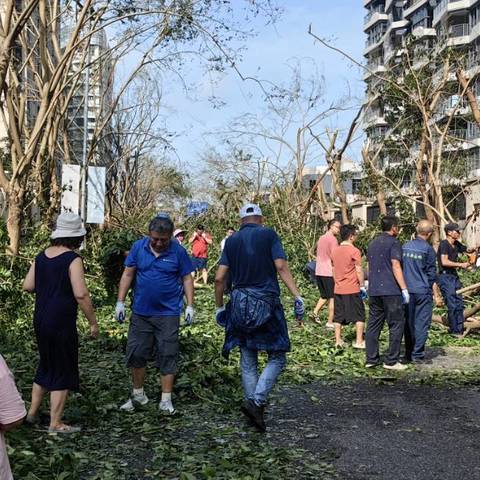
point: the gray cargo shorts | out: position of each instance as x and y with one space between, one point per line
153 338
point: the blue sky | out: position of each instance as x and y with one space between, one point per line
267 57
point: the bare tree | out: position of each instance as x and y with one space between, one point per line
291 134
36 81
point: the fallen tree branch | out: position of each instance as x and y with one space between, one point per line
475 286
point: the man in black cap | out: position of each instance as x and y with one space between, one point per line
448 281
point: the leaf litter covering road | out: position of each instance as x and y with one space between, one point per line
317 429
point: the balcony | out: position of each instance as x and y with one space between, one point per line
374 17
372 43
473 162
447 6
458 134
473 131
414 5
473 59
459 30
374 66
371 13
377 134
371 119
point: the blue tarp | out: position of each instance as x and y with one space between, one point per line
197 208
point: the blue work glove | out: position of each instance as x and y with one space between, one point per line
299 308
120 312
405 297
363 293
189 315
220 316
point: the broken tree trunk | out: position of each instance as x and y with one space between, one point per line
470 288
469 324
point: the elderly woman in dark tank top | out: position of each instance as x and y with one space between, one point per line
57 279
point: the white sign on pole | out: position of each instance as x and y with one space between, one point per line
70 188
96 195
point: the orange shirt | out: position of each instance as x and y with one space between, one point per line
200 246
344 259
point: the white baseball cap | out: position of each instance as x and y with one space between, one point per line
249 210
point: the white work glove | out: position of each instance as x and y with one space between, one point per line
189 315
405 297
120 312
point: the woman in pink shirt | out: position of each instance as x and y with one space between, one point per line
12 412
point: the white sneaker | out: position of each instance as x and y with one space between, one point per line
133 401
396 366
330 326
166 406
360 345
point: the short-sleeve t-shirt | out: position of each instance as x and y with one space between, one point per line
325 245
158 290
12 409
380 254
200 246
452 251
345 258
250 254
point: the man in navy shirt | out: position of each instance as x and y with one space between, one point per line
162 272
387 292
448 280
254 319
419 269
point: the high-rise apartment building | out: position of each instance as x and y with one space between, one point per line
427 26
91 102
433 24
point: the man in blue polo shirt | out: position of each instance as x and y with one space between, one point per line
162 272
419 269
254 319
387 293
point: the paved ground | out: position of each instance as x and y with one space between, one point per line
383 430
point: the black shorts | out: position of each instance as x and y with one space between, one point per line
325 285
153 338
348 309
199 263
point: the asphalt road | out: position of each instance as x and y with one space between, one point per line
387 431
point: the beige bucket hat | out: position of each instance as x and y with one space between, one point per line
68 225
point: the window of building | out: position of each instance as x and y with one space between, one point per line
373 212
420 210
421 18
406 181
397 14
457 205
356 185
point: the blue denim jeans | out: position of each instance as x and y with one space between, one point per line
449 284
419 318
254 387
